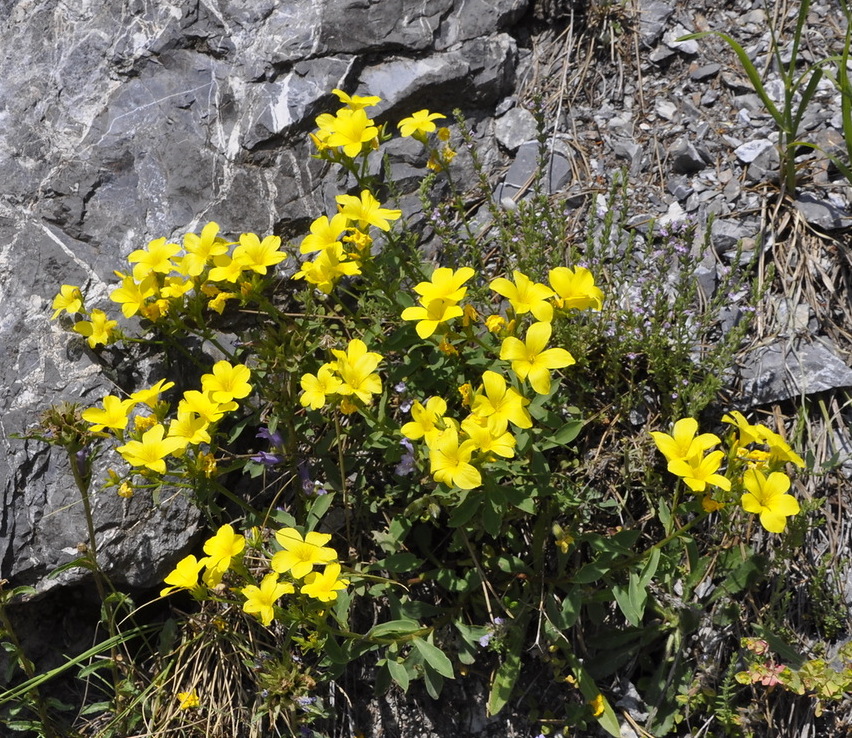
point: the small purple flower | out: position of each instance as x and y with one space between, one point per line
498 621
274 437
485 640
400 387
406 463
267 459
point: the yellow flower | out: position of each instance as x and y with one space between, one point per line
531 361
466 392
125 490
748 433
477 430
419 123
327 268
450 461
69 299
220 549
114 414
356 102
188 700
151 451
227 382
226 269
218 302
189 428
494 323
324 233
445 347
315 388
175 287
425 420
350 130
767 497
203 404
200 250
144 422
262 599
444 284
683 443
501 404
324 587
575 288
184 576
301 554
207 464
526 296
257 255
598 705
133 292
366 210
780 450
151 396
356 368
432 315
361 241
155 258
698 471
98 330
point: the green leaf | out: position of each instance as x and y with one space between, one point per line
433 681
434 656
492 517
591 572
507 673
318 509
398 673
82 562
631 604
400 562
394 628
565 434
468 507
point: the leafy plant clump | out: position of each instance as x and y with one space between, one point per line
452 466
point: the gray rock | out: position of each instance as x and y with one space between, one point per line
820 212
653 17
479 71
670 39
724 234
628 149
704 72
685 158
525 168
793 368
679 187
515 127
750 150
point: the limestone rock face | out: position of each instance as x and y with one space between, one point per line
124 122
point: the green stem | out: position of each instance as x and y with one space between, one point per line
101 580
